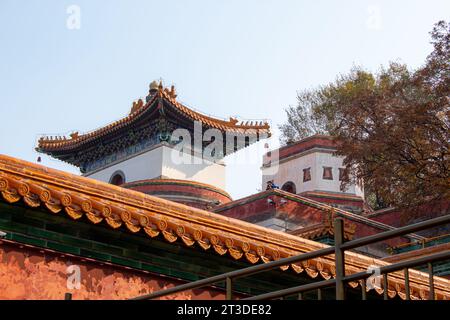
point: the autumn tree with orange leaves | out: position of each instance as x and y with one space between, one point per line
392 127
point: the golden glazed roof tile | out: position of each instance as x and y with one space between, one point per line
138 108
60 192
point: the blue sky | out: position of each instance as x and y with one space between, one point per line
226 58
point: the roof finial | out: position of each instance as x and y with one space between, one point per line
152 90
153 86
173 93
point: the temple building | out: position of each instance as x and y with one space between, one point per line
310 168
142 151
120 243
149 211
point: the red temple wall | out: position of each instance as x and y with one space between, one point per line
30 273
400 218
299 213
305 144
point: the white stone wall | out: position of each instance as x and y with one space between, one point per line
159 162
206 172
291 169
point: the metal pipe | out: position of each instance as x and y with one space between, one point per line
407 290
293 290
430 281
229 288
339 258
361 275
363 289
397 232
385 287
238 273
400 266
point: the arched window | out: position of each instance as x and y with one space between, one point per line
117 178
289 187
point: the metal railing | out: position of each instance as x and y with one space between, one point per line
423 242
340 278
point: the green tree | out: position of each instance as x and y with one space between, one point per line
392 127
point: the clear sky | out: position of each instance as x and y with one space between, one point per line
226 58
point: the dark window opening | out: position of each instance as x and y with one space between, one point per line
306 174
117 178
289 187
342 174
327 173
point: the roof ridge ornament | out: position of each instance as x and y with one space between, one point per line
158 87
173 92
136 105
153 89
234 121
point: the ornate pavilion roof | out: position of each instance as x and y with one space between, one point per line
156 100
324 228
102 203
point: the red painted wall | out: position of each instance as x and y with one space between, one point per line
399 218
30 273
301 214
303 145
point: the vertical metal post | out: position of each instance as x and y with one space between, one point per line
385 286
68 296
300 296
229 288
407 291
339 258
363 289
319 294
430 281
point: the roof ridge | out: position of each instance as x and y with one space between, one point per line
232 121
346 213
138 108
